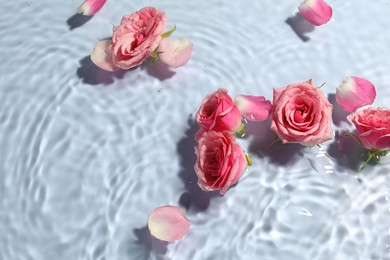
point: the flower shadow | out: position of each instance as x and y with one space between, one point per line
348 152
150 244
77 20
93 75
261 144
159 70
339 115
300 26
193 198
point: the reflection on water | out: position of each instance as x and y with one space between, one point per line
86 155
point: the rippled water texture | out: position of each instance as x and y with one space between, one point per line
86 155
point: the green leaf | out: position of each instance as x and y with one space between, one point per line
168 33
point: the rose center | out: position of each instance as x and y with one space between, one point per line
209 107
298 116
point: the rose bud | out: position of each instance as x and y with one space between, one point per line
218 112
373 127
220 161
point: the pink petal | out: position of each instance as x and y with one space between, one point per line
354 93
90 7
175 52
101 56
316 12
253 108
168 223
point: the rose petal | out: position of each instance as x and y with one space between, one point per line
168 223
101 56
253 108
316 12
90 7
175 52
354 93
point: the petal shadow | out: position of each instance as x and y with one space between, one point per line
300 26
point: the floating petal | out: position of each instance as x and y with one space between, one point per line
316 12
90 7
101 56
168 223
354 93
175 52
254 108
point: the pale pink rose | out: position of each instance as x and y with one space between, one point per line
253 108
134 40
175 52
218 112
316 12
301 114
168 223
373 127
90 7
220 161
354 93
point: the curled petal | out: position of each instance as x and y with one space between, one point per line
354 93
253 108
90 7
175 52
168 223
101 56
316 12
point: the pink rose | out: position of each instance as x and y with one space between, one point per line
133 41
137 37
301 114
220 161
373 127
219 113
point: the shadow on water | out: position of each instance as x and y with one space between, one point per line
77 20
300 26
347 151
159 70
150 244
261 144
93 75
339 115
194 198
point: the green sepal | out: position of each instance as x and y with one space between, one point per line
373 154
248 159
168 33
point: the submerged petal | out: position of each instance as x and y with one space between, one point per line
168 223
316 12
90 7
254 108
101 56
175 52
355 92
